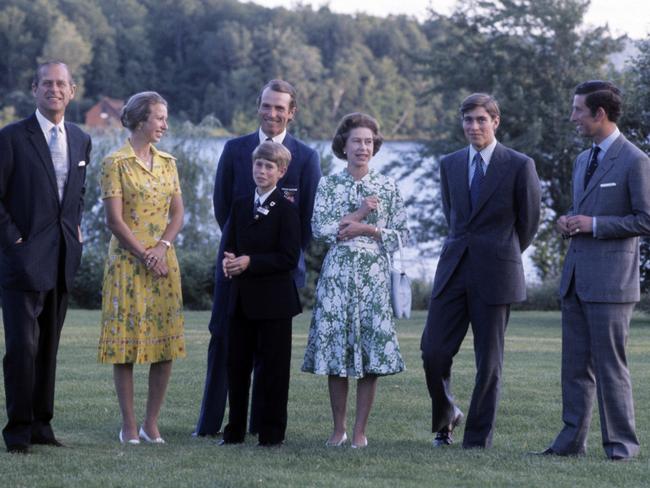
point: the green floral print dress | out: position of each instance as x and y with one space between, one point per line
352 332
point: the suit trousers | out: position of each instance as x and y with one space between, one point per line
268 342
450 314
594 364
215 391
32 322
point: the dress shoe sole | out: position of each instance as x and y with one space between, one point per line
47 442
19 450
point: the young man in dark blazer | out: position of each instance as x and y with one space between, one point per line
276 108
42 176
261 251
491 200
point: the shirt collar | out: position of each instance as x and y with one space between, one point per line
46 125
486 152
279 138
606 143
262 198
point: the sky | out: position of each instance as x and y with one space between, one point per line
631 17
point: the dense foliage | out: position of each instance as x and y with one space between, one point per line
210 57
530 54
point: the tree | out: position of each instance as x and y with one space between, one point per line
65 43
635 123
530 54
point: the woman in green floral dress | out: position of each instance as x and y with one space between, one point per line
359 213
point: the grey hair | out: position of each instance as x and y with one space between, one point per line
50 62
138 107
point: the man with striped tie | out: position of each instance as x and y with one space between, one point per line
491 201
42 176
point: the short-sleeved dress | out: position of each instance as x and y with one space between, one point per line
142 315
352 332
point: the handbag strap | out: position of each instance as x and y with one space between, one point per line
392 262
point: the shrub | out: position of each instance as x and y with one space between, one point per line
543 296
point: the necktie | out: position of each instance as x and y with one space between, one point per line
477 179
593 165
256 206
58 154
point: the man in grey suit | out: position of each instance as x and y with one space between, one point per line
600 279
491 201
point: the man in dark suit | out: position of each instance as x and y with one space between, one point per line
600 278
42 176
262 250
276 108
491 201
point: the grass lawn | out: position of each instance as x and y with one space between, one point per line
399 453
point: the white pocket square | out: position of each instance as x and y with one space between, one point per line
82 163
607 185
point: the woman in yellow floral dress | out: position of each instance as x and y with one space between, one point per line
142 309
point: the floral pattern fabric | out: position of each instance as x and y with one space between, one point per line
352 331
142 315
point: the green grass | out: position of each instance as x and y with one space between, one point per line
399 452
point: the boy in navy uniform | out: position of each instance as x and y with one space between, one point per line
261 251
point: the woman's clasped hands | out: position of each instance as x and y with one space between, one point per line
155 259
350 226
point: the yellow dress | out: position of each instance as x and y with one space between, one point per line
142 315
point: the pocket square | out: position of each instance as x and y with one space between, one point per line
607 185
82 163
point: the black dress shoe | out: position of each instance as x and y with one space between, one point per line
201 434
225 442
43 441
621 459
270 444
549 451
444 435
546 452
443 438
18 449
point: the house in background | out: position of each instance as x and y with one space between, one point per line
105 114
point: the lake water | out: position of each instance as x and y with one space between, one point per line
418 262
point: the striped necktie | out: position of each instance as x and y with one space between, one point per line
59 159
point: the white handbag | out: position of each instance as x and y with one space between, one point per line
400 285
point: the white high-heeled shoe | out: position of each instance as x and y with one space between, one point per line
341 442
360 446
150 440
133 442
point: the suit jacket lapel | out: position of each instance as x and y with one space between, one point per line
458 181
603 168
495 171
251 143
38 141
75 155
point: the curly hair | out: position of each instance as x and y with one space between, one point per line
353 121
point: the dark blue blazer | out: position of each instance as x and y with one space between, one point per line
235 179
30 207
271 238
497 230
